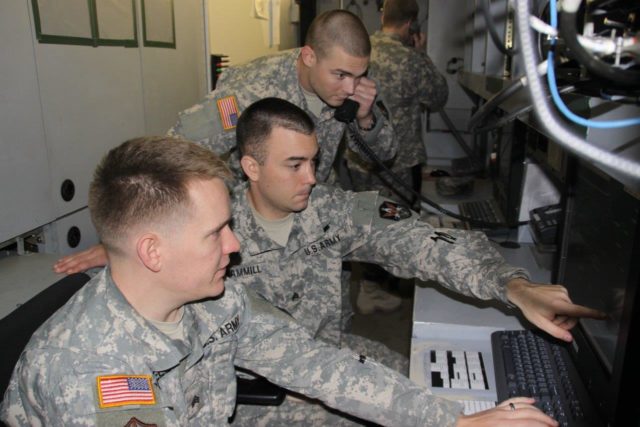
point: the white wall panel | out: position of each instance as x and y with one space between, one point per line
63 106
92 101
25 197
175 79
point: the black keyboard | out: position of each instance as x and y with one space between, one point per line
482 210
527 364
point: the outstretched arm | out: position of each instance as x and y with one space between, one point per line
463 261
274 346
549 307
95 256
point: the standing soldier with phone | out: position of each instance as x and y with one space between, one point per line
329 69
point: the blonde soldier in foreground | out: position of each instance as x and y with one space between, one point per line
159 324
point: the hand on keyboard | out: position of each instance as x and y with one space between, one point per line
507 413
473 406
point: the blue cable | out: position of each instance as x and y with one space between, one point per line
555 95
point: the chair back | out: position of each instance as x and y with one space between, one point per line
16 328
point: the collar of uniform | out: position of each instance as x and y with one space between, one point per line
327 113
209 317
290 74
306 226
214 313
252 237
160 352
388 36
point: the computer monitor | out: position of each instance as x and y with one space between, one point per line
599 265
507 168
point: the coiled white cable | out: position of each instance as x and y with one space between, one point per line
545 114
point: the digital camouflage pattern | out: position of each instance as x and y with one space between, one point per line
272 76
304 278
408 79
98 333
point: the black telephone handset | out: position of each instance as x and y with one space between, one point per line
346 113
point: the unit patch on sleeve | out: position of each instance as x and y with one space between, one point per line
121 390
134 422
228 109
394 211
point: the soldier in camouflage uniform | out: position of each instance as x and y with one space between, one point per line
153 338
298 239
408 82
317 78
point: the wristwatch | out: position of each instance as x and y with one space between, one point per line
371 126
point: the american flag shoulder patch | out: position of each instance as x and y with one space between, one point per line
228 109
120 390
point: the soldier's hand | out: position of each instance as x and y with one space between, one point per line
365 95
516 411
95 256
549 307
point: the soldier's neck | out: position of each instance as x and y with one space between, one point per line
303 75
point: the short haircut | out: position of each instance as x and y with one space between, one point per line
258 120
144 180
397 12
339 28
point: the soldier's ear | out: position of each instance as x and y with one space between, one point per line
308 56
148 249
251 167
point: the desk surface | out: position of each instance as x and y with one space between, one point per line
23 277
438 305
442 316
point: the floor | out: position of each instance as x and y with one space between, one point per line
392 329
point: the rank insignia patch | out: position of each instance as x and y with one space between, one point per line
134 422
228 109
394 211
121 390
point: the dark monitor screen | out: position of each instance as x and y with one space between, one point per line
599 268
507 160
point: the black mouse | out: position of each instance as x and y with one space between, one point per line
439 173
